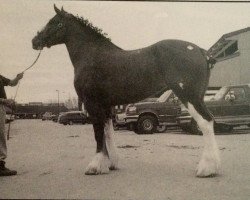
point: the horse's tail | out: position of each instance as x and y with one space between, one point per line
210 64
210 61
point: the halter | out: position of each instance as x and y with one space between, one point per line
8 133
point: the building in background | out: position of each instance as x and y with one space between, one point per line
35 110
232 52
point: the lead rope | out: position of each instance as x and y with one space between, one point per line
8 133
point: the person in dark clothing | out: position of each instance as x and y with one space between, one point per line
5 102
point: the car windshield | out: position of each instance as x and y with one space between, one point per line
149 100
219 95
164 96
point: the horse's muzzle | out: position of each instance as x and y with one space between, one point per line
37 44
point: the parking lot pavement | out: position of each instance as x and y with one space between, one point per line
51 158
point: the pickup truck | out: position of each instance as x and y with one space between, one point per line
230 107
153 114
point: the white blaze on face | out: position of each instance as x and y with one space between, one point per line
210 160
181 85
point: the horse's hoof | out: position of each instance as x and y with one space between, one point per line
114 163
208 168
113 167
99 165
94 171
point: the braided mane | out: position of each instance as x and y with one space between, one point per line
86 23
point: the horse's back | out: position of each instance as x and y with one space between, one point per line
183 63
182 50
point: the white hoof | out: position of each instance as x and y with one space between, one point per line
209 165
114 163
99 165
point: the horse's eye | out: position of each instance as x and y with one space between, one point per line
59 25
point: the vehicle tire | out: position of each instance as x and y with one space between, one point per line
194 128
161 128
70 123
65 123
146 124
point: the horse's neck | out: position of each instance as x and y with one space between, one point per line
82 52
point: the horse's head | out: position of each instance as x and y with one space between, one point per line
54 32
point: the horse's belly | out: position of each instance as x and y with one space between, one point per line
132 94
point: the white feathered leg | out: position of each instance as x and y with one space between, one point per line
209 164
110 144
99 165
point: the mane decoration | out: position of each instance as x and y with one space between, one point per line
87 23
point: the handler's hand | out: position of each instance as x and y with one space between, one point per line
19 76
9 102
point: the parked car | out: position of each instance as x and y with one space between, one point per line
54 118
9 118
230 108
73 117
47 116
153 114
119 121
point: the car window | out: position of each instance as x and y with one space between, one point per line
164 96
219 95
171 98
237 93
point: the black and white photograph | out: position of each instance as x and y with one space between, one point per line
128 100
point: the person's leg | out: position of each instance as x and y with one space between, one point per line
3 146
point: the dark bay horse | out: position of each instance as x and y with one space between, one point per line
106 75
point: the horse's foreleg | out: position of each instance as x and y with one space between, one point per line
210 161
100 164
110 144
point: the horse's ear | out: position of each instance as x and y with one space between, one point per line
56 10
63 11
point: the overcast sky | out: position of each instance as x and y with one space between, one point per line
130 25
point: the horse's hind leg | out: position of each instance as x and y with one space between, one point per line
210 160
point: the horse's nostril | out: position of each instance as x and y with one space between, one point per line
36 44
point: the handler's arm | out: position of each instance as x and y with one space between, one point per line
2 102
15 81
6 102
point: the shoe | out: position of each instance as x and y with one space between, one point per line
5 171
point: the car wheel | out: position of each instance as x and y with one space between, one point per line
70 123
65 123
146 124
161 128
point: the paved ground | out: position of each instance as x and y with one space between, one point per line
51 158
